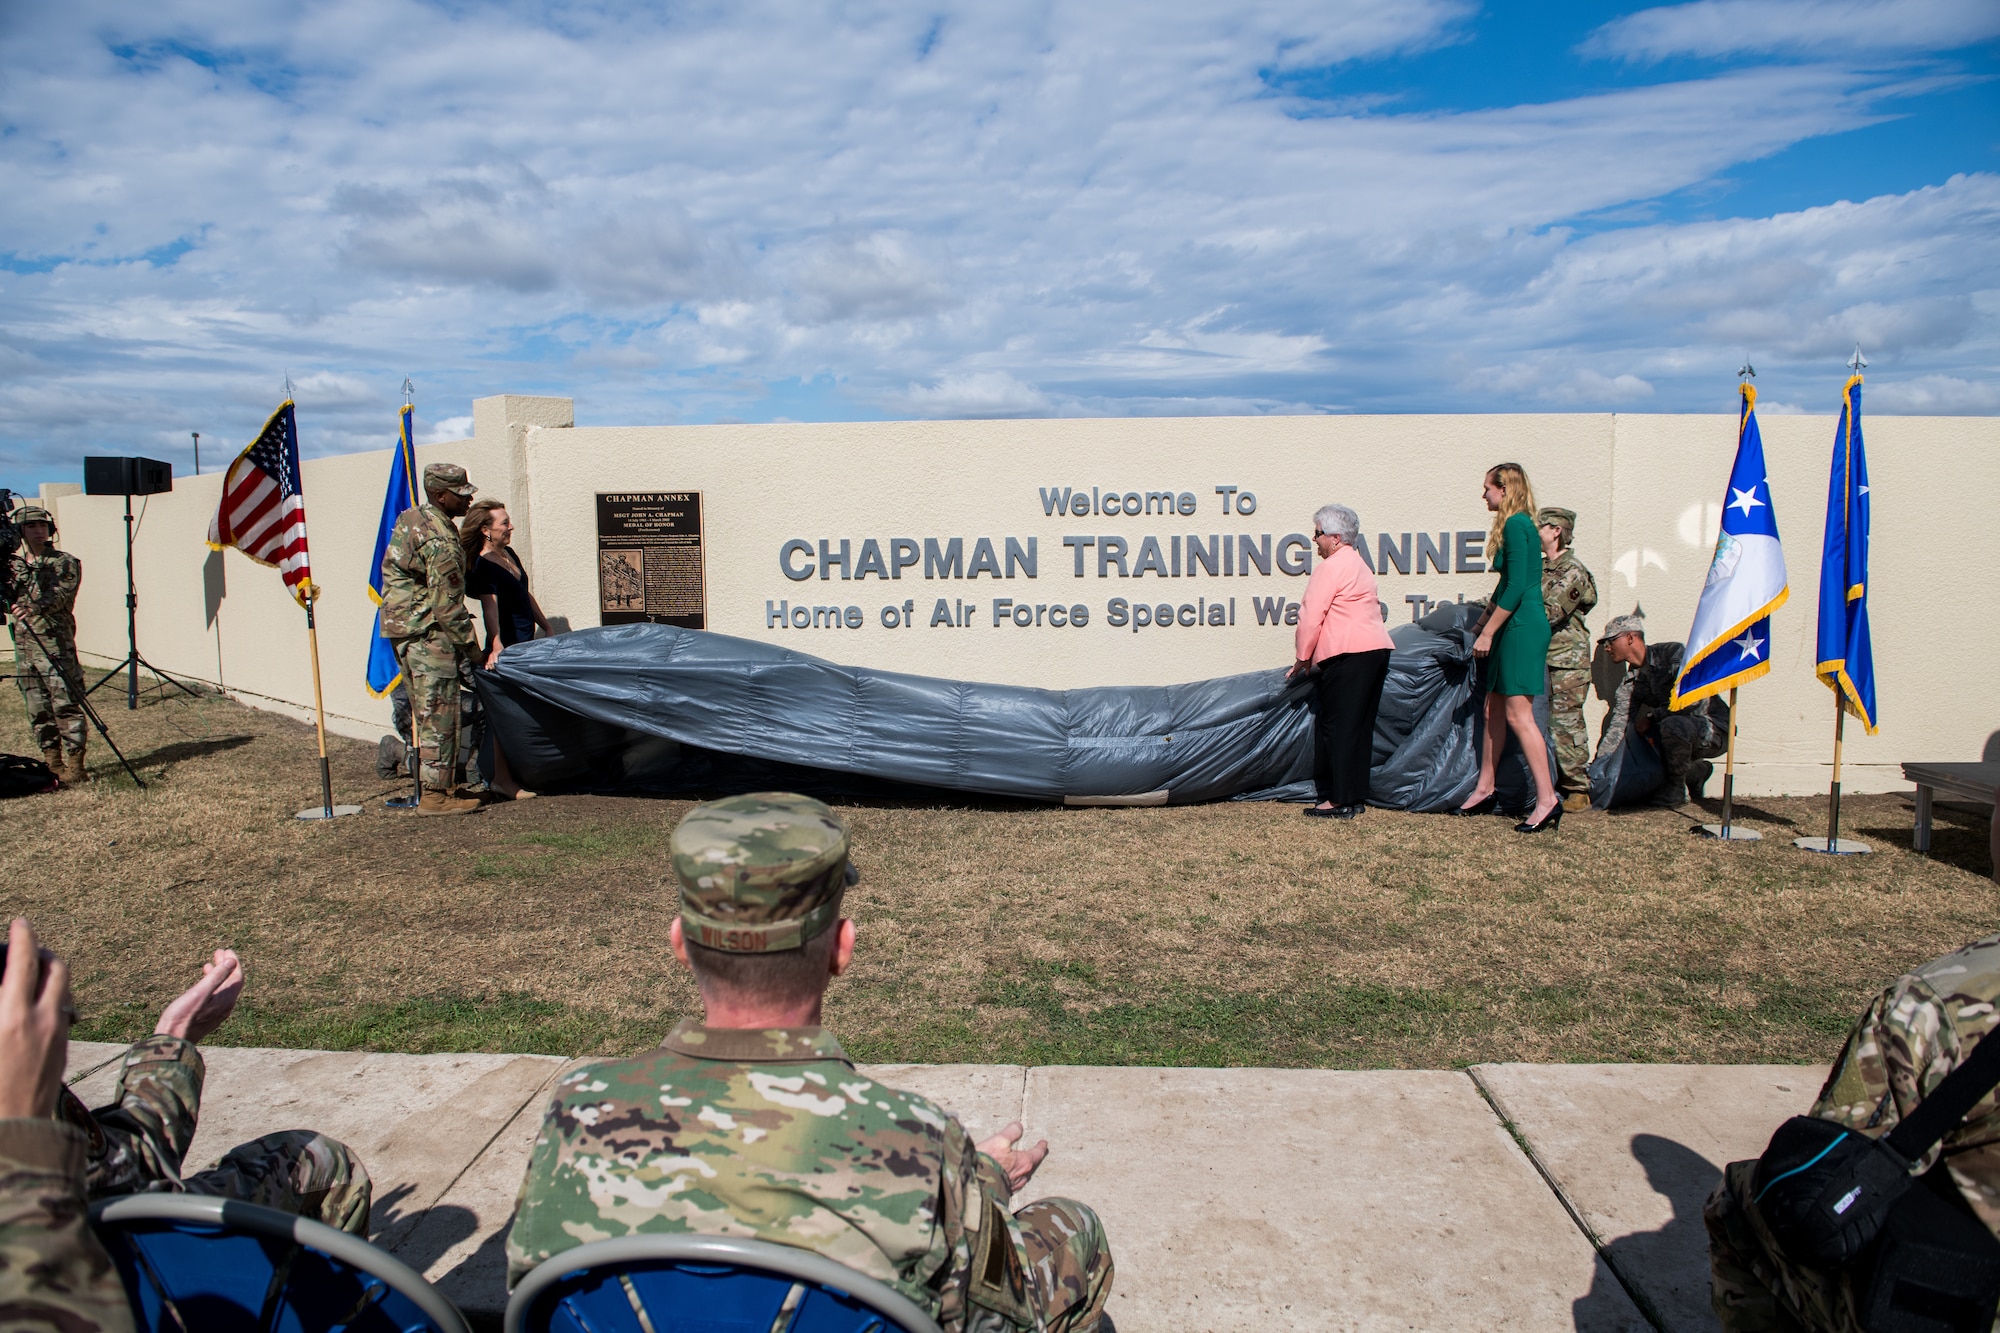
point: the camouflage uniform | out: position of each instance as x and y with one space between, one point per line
54 1275
425 617
135 1145
1568 595
772 1134
1906 1042
45 597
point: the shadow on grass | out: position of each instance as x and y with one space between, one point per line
1962 848
1741 810
180 750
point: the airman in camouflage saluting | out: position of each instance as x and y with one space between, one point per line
45 583
425 617
1917 1031
755 1123
1568 594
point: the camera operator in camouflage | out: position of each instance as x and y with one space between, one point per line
55 1276
1568 595
755 1123
45 582
424 616
1924 1025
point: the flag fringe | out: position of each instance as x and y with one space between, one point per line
1837 680
1677 700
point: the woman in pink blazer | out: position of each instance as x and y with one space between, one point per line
1341 640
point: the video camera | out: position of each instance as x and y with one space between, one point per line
10 542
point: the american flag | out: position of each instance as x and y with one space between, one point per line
262 513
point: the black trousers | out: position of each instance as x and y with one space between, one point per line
1347 689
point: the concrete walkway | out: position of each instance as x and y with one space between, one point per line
1236 1199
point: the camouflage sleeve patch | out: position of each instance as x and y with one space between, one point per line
151 1120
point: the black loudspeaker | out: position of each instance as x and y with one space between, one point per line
126 476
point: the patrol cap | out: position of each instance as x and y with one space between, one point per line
760 873
446 477
1559 518
32 514
1617 625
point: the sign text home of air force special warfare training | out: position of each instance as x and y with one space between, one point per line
1096 555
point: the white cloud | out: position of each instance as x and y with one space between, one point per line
697 212
1796 27
447 430
984 393
1934 395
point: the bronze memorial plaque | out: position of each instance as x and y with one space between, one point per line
649 565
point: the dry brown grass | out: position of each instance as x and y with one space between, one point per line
1228 934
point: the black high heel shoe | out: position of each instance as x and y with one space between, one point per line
1485 807
1548 824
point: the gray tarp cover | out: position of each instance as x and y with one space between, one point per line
658 709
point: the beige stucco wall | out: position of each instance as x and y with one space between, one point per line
1646 489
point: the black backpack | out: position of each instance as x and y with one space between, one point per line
22 776
1920 1260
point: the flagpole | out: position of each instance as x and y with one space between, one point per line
1849 415
319 707
310 594
1729 767
327 809
1726 831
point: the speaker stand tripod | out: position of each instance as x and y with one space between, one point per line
130 666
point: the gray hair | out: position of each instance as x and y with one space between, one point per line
1339 521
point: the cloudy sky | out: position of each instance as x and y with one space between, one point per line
694 212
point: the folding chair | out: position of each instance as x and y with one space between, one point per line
193 1264
717 1284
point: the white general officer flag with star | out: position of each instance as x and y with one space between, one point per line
1731 639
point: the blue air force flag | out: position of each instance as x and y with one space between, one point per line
1846 659
384 671
1731 639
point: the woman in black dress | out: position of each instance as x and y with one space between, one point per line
493 575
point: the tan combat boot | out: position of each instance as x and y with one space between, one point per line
76 774
52 755
435 802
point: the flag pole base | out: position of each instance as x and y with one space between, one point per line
1832 846
320 812
1727 833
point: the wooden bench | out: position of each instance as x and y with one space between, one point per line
1964 782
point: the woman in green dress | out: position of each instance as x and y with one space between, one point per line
1513 637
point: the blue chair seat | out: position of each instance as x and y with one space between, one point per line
705 1284
208 1265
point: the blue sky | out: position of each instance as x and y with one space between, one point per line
815 212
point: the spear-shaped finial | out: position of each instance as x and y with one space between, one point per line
1857 363
288 386
1748 372
409 391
